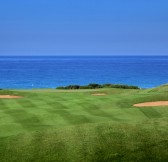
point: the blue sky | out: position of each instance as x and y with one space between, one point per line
83 27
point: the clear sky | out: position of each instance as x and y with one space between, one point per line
84 27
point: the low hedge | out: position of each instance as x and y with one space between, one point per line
96 86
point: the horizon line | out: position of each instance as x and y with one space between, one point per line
80 55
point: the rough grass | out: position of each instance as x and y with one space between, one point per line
51 125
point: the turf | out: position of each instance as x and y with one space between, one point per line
72 126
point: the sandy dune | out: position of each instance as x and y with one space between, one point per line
156 103
99 94
10 96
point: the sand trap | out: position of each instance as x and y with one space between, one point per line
156 103
99 94
10 96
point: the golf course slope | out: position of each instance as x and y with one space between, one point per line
80 126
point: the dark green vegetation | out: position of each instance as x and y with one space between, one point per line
96 86
74 126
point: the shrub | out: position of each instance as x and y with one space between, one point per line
123 86
106 85
60 87
95 86
85 87
72 87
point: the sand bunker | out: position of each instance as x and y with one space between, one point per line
10 96
156 103
99 94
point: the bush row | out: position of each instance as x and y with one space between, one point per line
96 86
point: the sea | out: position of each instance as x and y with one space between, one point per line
29 72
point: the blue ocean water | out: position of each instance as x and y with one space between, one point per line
50 72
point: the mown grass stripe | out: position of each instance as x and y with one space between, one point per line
150 112
18 112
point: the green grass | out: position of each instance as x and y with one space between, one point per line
72 126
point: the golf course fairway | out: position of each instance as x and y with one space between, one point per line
100 125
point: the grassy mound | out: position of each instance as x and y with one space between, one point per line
104 142
162 88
